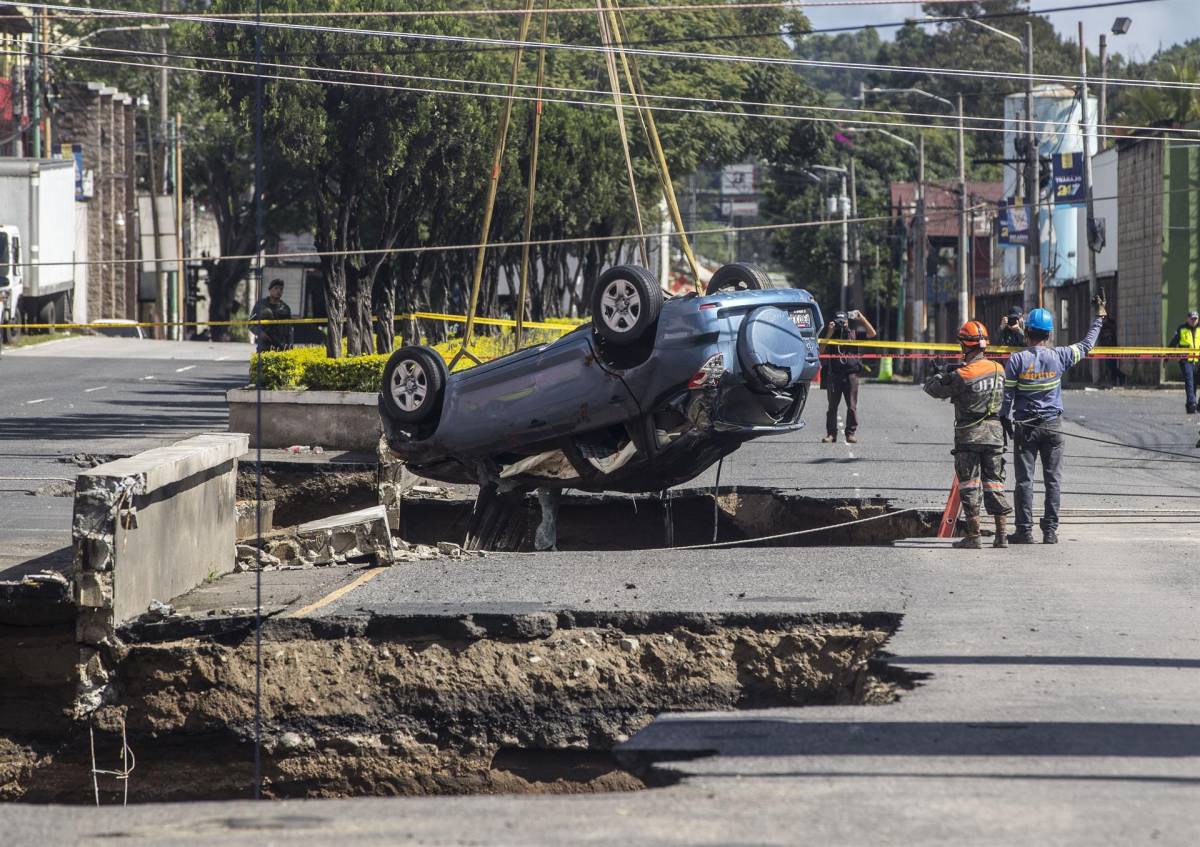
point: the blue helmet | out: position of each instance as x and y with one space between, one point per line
1041 320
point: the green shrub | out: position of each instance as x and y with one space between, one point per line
360 373
285 369
308 367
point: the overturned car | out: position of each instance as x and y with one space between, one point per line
647 396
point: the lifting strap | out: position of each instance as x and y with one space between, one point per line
493 185
615 83
533 165
646 118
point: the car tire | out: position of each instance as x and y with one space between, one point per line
414 380
738 276
625 304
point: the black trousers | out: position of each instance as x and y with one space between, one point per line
839 387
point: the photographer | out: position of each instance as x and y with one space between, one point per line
1012 334
842 367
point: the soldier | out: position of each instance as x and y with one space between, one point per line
272 308
977 390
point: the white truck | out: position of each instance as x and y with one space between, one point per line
37 241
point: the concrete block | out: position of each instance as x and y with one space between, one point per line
156 523
247 519
348 536
344 420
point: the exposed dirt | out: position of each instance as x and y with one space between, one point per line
367 714
306 493
587 522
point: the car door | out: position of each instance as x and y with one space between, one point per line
575 392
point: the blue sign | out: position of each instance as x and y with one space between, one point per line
1068 179
1013 220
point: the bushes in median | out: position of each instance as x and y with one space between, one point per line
308 367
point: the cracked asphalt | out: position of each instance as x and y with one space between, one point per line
1057 705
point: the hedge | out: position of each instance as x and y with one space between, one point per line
308 367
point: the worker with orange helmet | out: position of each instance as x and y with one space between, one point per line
976 388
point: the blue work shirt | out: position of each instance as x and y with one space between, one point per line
1033 377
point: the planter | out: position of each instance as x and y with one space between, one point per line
341 420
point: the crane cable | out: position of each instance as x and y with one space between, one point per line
646 118
533 165
614 82
493 185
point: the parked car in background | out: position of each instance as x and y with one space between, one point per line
646 396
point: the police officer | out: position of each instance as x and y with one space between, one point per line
976 389
1187 337
840 376
1033 402
1012 334
272 308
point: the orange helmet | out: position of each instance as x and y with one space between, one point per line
973 334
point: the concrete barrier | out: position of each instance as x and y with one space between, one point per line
149 527
342 420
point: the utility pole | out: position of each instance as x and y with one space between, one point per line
859 293
179 256
163 104
1102 116
964 297
1087 179
844 207
1033 260
919 259
35 73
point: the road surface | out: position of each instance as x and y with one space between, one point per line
95 396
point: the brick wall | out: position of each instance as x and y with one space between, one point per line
101 119
1140 259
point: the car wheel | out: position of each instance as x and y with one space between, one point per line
413 381
738 276
625 304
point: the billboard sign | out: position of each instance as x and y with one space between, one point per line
1013 224
1067 169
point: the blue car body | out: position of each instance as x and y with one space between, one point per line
578 413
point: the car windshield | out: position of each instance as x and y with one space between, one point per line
3 248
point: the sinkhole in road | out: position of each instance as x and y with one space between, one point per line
675 519
419 705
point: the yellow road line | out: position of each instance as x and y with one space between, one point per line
361 579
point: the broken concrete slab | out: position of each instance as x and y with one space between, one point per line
341 538
147 527
248 520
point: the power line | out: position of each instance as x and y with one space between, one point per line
664 54
1045 131
448 248
1006 122
569 10
708 37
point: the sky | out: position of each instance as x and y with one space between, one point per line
1165 22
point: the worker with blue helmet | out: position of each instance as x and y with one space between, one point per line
1032 415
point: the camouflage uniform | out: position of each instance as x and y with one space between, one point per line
977 390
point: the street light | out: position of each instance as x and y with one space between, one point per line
90 35
1120 27
862 92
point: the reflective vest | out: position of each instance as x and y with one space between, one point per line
1190 339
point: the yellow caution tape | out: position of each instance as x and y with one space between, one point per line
568 325
563 327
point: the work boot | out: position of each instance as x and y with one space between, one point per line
1049 536
972 540
851 438
1023 535
829 439
1001 539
